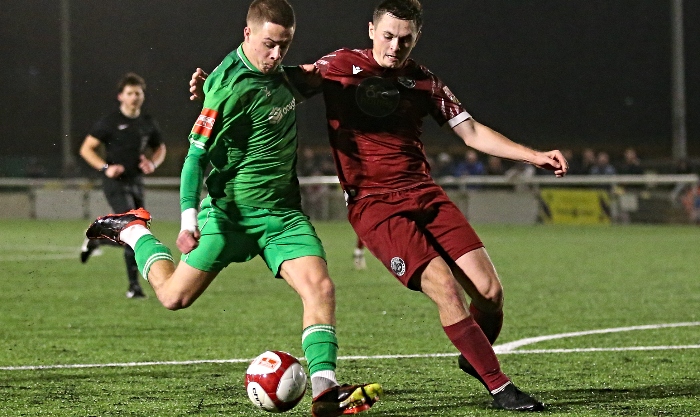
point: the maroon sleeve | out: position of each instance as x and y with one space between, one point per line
446 107
324 62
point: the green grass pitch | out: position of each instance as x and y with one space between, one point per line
57 311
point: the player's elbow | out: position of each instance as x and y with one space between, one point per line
85 151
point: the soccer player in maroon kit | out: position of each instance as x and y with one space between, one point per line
376 100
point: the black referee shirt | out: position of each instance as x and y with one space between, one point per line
125 139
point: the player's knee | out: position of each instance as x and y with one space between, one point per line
491 298
496 299
173 304
324 288
177 302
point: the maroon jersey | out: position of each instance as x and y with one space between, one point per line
375 119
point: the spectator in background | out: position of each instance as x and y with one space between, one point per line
631 165
494 166
519 172
311 163
127 136
683 166
691 203
34 168
314 197
442 165
603 165
575 164
308 164
588 160
691 196
471 165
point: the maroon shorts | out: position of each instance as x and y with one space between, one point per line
406 229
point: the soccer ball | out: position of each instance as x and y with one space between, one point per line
275 381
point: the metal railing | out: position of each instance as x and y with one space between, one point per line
648 180
83 195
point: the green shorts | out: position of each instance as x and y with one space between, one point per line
234 233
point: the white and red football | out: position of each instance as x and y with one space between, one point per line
275 381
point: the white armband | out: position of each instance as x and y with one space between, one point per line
188 220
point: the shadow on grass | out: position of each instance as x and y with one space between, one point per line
611 401
570 399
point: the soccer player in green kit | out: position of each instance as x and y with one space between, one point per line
247 131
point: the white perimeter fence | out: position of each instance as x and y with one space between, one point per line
581 199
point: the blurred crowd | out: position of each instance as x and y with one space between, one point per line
319 162
443 164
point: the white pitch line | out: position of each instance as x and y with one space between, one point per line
504 349
511 346
613 349
120 365
351 358
35 248
39 257
37 252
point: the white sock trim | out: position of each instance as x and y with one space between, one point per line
501 388
317 328
330 375
150 261
132 234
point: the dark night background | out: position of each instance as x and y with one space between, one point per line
548 73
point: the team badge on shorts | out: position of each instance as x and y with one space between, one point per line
398 266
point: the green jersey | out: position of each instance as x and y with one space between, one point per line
247 131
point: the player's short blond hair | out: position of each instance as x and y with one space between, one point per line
279 12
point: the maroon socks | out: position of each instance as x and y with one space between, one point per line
471 341
490 323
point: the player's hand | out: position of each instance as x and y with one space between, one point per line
197 84
552 161
114 171
187 240
146 165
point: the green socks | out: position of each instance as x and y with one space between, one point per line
320 347
148 250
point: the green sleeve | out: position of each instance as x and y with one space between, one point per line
201 138
192 177
304 85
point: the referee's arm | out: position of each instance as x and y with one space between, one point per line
147 166
158 155
88 151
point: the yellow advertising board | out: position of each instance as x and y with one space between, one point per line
574 206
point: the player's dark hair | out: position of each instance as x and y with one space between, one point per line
279 12
410 10
131 78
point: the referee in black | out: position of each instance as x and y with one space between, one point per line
127 136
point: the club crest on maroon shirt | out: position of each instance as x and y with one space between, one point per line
377 97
